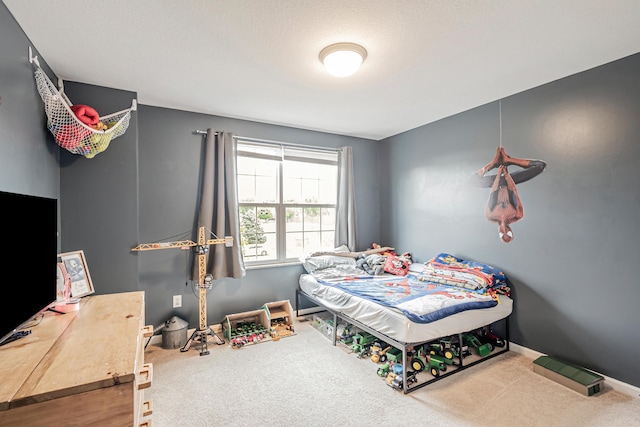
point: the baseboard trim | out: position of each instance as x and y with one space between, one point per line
613 383
157 339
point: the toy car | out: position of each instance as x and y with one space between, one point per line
394 355
378 354
472 340
362 343
396 383
383 370
487 336
437 364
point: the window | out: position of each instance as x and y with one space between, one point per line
287 198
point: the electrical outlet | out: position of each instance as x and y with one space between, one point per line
177 301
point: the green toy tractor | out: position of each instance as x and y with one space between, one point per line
437 364
472 341
361 343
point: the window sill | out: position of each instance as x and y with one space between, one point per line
279 264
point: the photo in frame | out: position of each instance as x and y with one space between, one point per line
75 265
63 284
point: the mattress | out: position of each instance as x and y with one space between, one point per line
393 323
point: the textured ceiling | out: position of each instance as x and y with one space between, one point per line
258 59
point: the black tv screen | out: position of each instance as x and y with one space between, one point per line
30 225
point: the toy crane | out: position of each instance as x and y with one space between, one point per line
201 248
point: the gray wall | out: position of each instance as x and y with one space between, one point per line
143 188
28 158
169 171
99 212
574 260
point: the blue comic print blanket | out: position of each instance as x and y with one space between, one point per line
421 301
438 288
449 270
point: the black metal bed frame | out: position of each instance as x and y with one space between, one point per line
404 346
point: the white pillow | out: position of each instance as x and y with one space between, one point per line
343 248
315 263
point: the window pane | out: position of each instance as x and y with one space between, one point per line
294 219
312 242
328 218
257 180
306 182
309 229
246 189
302 244
266 189
328 239
328 188
258 233
302 179
295 245
311 219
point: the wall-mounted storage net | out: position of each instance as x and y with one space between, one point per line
70 128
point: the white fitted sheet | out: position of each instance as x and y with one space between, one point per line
395 324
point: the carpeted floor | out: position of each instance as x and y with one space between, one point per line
303 380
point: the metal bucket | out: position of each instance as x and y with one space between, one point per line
174 333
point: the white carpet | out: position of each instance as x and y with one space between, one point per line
303 380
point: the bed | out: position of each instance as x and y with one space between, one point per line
446 299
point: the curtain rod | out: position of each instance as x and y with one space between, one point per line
266 141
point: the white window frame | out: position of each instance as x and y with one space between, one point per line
281 152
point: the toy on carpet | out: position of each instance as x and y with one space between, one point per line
392 374
379 352
247 333
280 328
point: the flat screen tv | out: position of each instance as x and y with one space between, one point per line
30 240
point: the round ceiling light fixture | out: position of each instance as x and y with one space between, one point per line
342 59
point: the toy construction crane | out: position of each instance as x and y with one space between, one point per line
201 248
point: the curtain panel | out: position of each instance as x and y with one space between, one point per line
218 210
346 204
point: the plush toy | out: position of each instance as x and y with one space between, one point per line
100 126
375 263
71 136
86 114
398 264
406 256
361 263
383 250
99 143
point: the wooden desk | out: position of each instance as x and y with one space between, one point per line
80 368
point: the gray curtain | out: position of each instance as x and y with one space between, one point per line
346 205
218 211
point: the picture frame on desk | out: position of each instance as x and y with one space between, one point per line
63 284
75 264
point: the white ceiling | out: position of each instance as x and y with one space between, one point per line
258 59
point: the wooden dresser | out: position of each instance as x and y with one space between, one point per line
81 368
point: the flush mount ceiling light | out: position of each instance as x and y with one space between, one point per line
342 59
